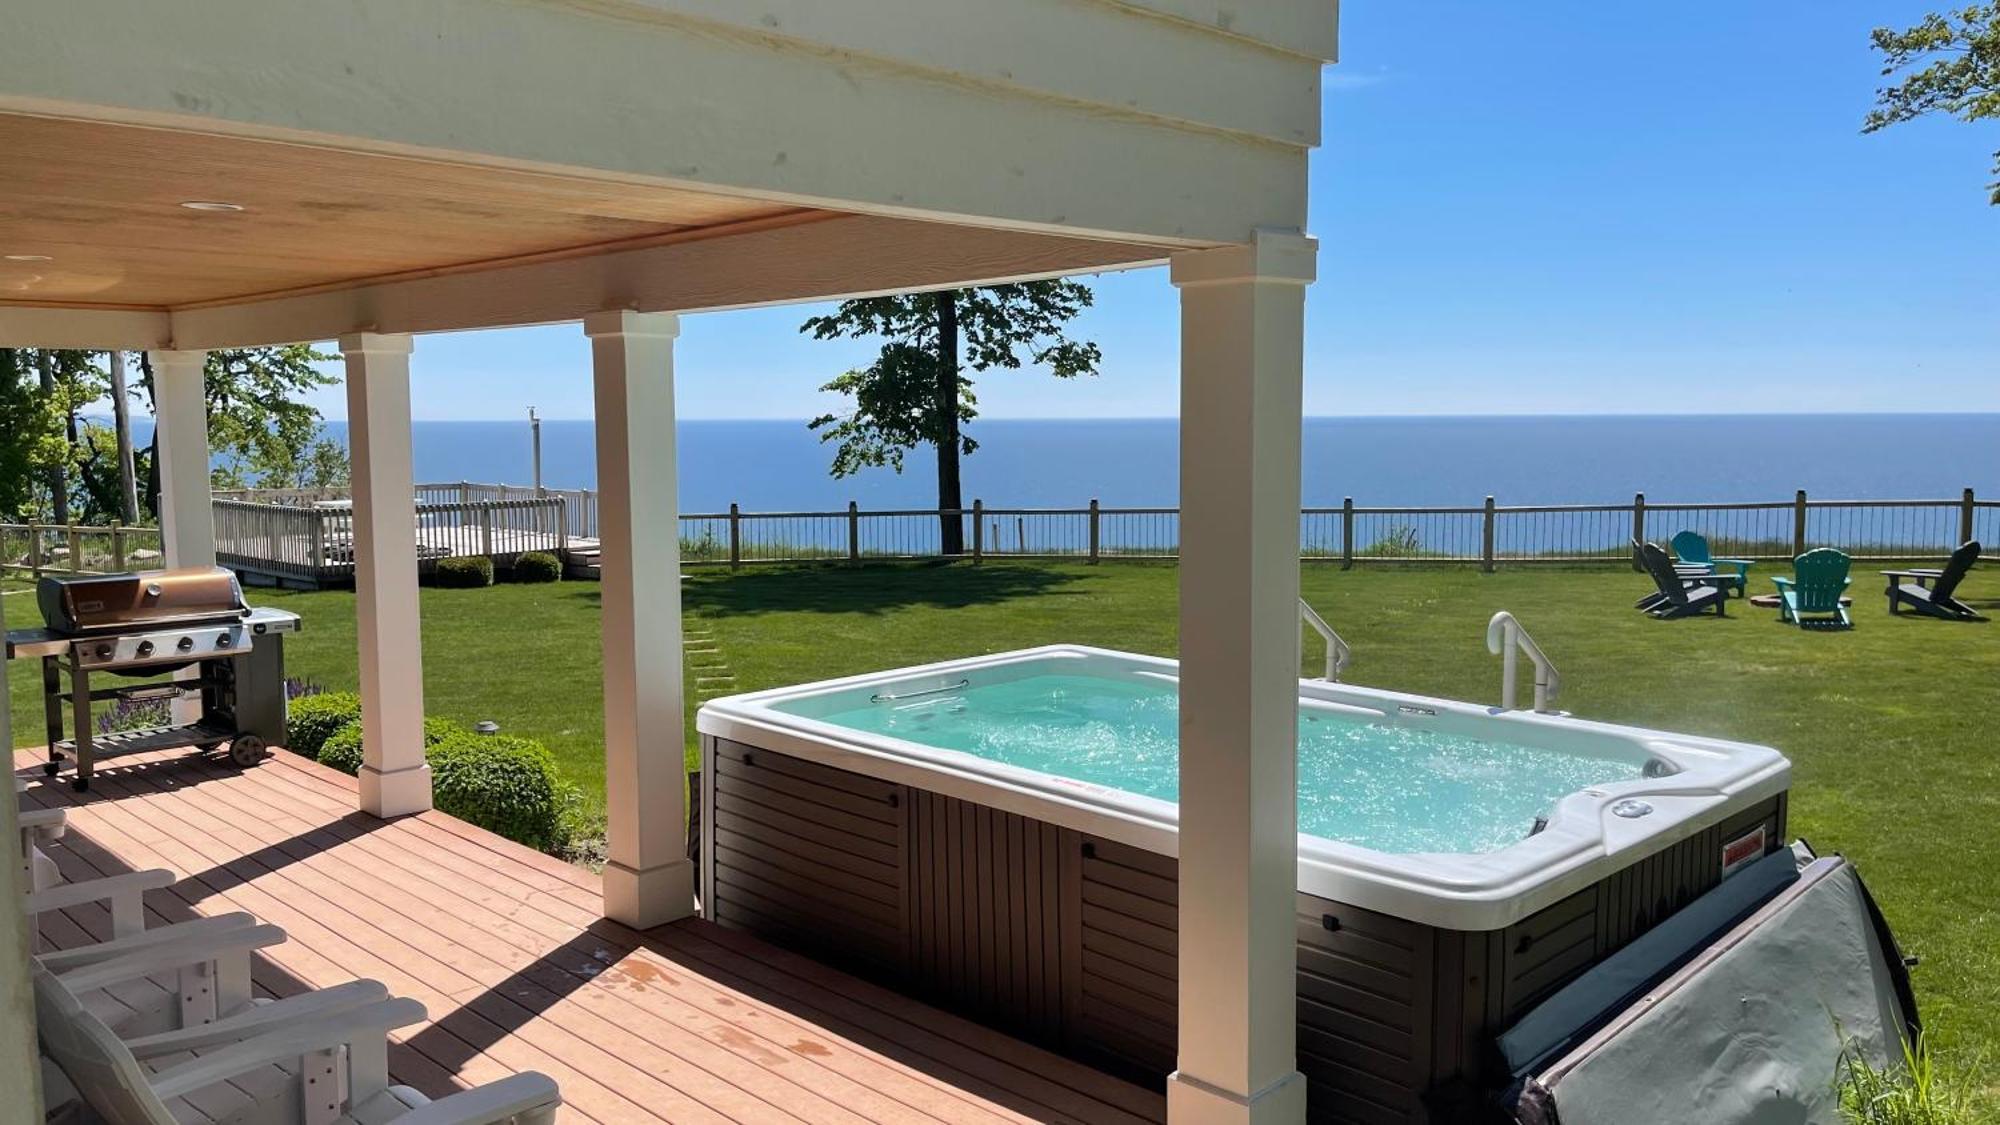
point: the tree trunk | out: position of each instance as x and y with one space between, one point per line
951 524
58 476
121 413
152 490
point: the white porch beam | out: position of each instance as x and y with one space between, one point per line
648 879
766 264
180 410
1242 359
46 326
1066 117
395 779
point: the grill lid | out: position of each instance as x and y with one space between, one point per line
106 603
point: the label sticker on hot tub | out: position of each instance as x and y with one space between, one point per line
1742 851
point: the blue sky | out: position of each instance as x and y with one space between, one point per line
1522 208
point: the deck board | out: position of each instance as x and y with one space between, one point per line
505 946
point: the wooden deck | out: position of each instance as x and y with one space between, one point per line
685 1023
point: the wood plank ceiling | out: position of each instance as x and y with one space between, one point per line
92 214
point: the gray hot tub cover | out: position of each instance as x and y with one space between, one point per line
1751 1030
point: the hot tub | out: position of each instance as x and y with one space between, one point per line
998 835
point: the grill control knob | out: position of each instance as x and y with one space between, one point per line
222 641
145 648
185 644
104 652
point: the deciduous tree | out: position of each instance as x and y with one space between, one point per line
1960 72
917 393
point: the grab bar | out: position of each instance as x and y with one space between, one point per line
880 698
1506 638
1337 652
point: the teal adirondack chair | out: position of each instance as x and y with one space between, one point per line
1819 578
1691 549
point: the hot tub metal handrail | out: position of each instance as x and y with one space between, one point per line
1506 639
884 697
1337 652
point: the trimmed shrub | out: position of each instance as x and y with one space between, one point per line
342 749
501 783
465 572
538 566
314 718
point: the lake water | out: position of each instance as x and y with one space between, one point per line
778 466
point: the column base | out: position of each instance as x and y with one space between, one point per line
653 897
397 792
1190 1101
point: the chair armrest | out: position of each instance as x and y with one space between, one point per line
43 824
261 1019
1734 562
515 1096
1781 581
287 1045
63 960
132 883
169 956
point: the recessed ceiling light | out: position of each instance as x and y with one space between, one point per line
26 257
211 205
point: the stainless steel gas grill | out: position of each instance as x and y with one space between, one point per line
147 625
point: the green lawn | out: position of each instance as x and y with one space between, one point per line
1892 726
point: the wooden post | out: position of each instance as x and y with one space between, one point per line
1966 512
486 530
75 538
1486 540
1799 524
35 550
1096 521
978 530
317 558
118 548
853 532
1347 533
735 536
1638 527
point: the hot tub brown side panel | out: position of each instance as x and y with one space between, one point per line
1070 940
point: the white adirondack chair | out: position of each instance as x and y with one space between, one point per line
39 827
332 1054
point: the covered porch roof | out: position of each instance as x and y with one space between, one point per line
392 168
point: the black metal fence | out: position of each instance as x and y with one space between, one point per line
1485 534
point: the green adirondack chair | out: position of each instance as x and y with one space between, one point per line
1819 578
1691 549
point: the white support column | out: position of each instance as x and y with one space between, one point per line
187 512
647 877
1242 356
395 779
180 408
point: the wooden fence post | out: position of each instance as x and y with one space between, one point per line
1096 522
1799 524
853 532
978 530
486 530
1638 528
1486 540
117 548
1347 533
35 550
1966 512
735 536
75 537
